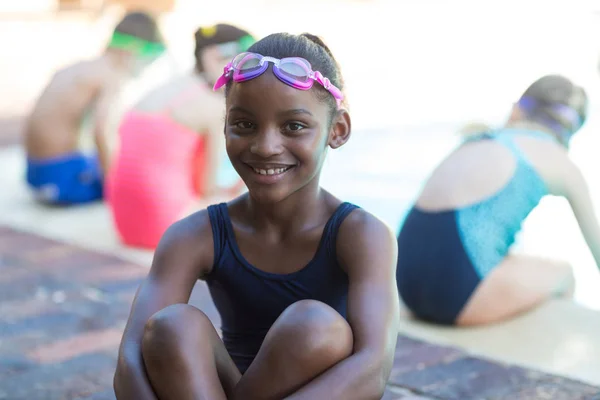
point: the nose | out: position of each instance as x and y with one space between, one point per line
267 143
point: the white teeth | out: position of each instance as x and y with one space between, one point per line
270 171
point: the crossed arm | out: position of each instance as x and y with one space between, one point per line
181 257
367 250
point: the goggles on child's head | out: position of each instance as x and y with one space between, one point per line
141 47
293 71
530 104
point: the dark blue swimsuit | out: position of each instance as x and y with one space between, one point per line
443 256
250 300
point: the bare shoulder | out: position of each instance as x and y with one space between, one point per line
362 236
211 101
552 162
83 79
360 224
188 242
85 70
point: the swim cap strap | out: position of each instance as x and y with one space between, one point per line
530 105
136 45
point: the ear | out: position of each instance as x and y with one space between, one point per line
340 129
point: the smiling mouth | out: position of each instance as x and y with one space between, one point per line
271 171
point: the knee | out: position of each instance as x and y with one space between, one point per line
168 329
315 330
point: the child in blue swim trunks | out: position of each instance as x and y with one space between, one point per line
57 171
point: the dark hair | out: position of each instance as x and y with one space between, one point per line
309 47
140 25
539 103
212 35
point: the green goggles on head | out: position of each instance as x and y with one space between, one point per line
231 49
140 47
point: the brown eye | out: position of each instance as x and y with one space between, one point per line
294 127
244 125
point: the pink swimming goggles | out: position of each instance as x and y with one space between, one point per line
293 71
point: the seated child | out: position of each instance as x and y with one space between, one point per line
303 282
171 152
58 172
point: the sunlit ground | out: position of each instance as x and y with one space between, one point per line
415 70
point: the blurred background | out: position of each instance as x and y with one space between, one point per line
415 70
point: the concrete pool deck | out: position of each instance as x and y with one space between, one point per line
63 309
560 337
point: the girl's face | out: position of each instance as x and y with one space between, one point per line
213 60
277 136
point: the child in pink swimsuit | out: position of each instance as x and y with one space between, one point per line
171 150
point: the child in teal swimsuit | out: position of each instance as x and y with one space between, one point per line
454 265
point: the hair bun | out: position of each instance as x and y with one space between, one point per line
317 40
218 34
207 31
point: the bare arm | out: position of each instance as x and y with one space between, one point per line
102 111
578 195
367 250
183 255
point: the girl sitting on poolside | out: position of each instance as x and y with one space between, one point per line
304 282
454 265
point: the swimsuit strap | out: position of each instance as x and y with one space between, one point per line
507 139
508 142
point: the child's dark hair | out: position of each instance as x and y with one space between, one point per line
309 47
548 92
140 25
214 35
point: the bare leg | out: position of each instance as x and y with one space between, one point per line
185 358
308 338
517 285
